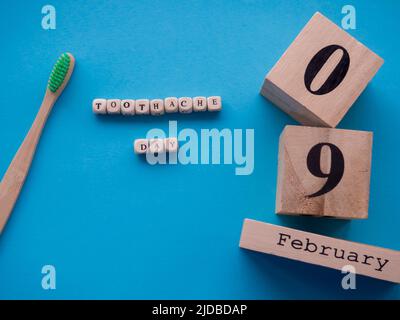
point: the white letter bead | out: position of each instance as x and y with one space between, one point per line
99 106
156 145
157 107
214 103
113 106
141 146
142 106
199 104
171 104
185 105
128 107
171 144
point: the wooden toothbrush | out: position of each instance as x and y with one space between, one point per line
16 173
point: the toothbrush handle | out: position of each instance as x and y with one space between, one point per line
16 173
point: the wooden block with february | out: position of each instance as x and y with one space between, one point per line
324 172
321 74
324 251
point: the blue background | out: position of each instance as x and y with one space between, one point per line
116 227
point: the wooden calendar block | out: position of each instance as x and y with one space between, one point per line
199 104
185 105
171 104
324 172
214 103
142 106
321 74
128 107
99 106
113 106
157 107
141 146
320 250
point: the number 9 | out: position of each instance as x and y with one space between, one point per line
336 171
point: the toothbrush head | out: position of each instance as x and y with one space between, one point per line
61 72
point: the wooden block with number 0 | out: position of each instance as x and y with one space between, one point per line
324 172
321 74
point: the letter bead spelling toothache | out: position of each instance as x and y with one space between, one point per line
156 107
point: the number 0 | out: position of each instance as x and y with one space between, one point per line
337 75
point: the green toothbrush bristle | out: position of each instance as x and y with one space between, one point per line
59 72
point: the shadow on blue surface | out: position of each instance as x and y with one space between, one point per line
143 119
291 277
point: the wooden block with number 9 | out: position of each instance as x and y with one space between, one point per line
321 74
324 172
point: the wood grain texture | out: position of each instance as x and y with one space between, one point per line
320 250
349 198
285 86
16 173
